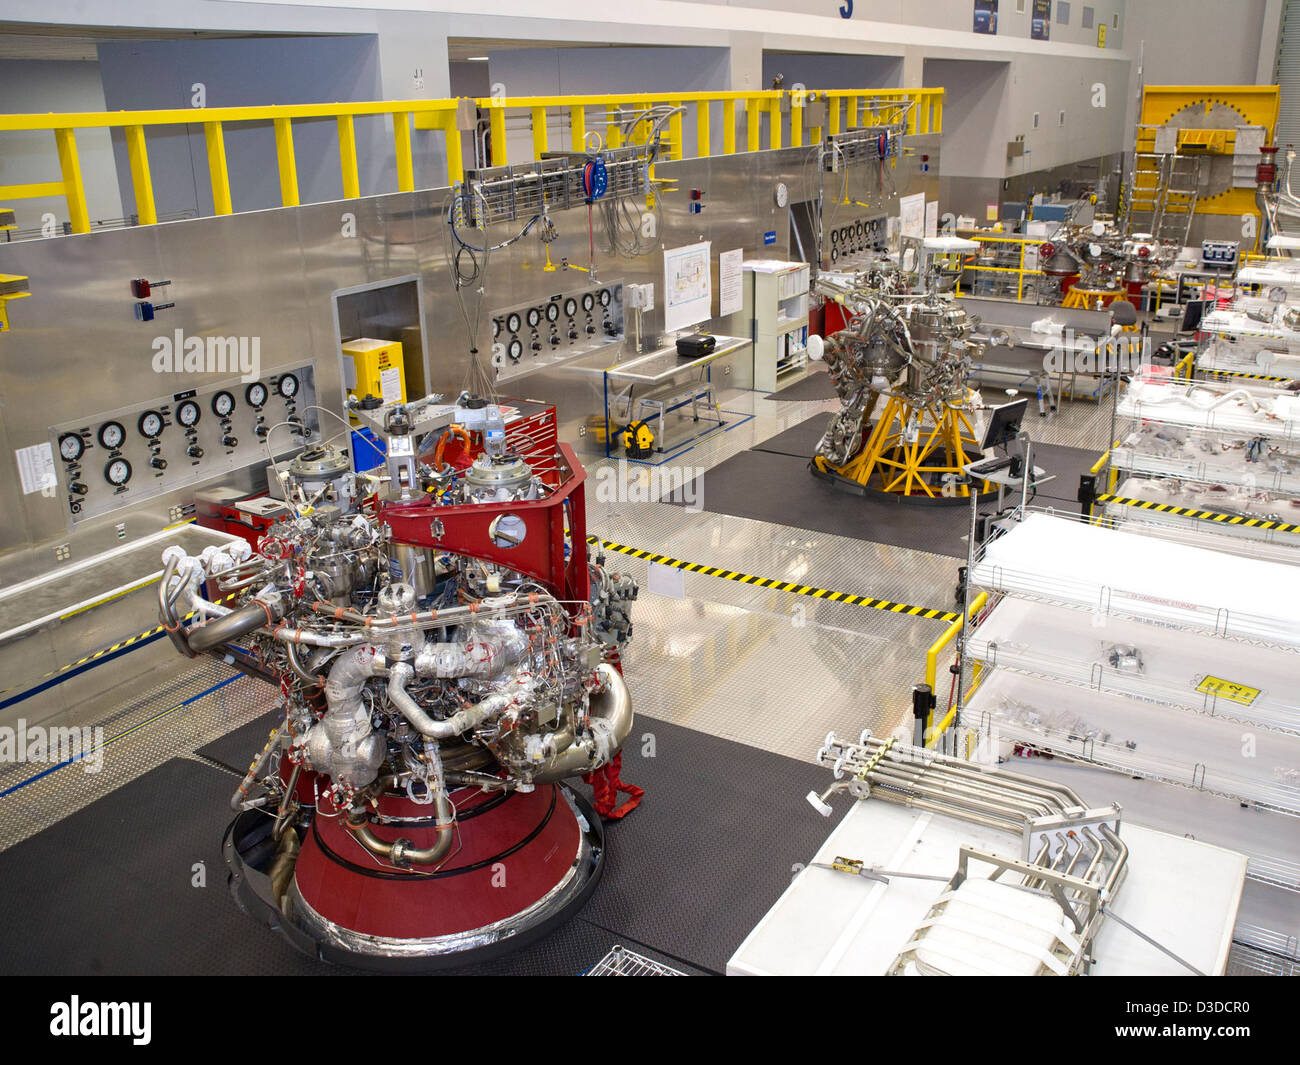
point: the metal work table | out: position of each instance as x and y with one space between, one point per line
663 382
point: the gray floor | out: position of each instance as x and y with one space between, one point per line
759 676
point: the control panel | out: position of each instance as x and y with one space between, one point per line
860 239
533 335
118 458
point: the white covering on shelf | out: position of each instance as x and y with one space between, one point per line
1113 571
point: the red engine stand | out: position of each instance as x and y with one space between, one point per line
521 863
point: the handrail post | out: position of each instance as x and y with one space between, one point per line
577 128
141 180
455 156
402 149
753 124
703 135
348 158
287 164
541 143
74 191
774 122
497 127
728 127
217 172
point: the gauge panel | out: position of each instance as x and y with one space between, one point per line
555 327
159 445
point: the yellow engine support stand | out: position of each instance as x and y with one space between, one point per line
944 442
1090 299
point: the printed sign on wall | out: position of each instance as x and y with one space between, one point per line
1040 27
986 16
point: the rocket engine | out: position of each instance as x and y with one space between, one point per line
446 656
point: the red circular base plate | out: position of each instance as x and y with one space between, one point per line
509 853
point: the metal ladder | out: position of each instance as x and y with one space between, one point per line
1178 195
1163 190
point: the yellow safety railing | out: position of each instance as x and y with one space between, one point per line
1019 269
932 663
782 109
1096 468
607 114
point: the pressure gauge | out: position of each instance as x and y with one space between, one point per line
71 447
111 435
117 472
835 236
496 328
256 394
512 323
223 403
515 349
605 297
570 307
588 302
534 317
287 386
782 194
552 312
188 414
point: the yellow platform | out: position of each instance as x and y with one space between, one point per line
913 463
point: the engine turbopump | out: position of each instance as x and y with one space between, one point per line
445 660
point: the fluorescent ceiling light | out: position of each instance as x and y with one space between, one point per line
476 59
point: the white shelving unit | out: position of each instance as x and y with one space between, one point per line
1230 449
775 315
1147 657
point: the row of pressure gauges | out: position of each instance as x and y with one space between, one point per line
579 312
163 443
150 424
864 235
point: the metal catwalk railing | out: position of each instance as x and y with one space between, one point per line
788 115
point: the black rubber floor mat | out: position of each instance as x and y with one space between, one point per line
781 489
1068 464
237 749
711 847
817 385
109 890
800 440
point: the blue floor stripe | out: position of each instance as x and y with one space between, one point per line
70 761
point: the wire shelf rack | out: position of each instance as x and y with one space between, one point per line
508 193
623 962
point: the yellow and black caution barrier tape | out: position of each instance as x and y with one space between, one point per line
1203 515
1248 376
776 585
104 652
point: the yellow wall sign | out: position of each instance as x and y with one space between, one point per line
1226 689
1101 35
